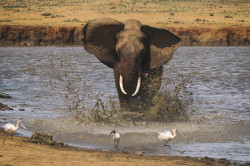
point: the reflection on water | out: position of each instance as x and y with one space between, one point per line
219 127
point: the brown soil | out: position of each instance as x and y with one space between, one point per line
72 36
18 151
59 22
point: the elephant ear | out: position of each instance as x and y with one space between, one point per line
99 38
162 45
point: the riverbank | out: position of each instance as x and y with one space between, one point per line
19 151
21 35
60 23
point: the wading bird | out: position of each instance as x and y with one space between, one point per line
168 136
11 129
116 138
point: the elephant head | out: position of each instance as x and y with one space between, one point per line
133 50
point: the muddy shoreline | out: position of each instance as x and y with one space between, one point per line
19 35
19 151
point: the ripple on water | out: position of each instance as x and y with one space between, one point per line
220 76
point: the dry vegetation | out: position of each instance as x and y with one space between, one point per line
180 13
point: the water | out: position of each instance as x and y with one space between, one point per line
37 78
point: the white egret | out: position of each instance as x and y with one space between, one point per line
116 138
11 129
168 136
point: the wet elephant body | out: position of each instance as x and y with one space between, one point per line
135 52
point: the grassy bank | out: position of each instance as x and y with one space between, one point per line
59 22
174 13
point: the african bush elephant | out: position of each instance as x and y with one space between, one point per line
135 52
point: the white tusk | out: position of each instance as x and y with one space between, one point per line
137 86
121 85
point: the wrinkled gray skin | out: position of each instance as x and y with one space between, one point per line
135 52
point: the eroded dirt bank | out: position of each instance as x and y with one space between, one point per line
12 35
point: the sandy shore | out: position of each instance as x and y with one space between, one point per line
52 14
19 151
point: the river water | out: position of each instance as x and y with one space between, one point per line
219 126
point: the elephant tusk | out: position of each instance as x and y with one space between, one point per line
121 85
137 86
